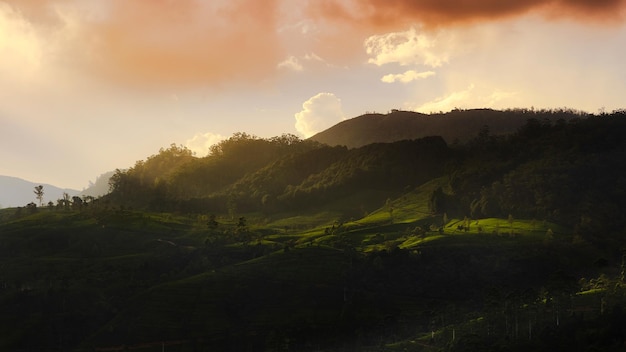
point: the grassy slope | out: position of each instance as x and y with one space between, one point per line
253 297
305 286
257 291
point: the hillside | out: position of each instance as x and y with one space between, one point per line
526 173
457 125
105 278
253 174
503 243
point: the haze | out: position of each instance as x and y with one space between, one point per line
88 86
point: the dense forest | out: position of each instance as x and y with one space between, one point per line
503 242
558 167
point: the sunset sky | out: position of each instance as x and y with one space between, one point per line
87 86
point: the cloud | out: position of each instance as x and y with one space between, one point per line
35 65
454 100
201 142
319 113
415 47
394 13
165 42
190 42
291 63
467 99
201 43
306 61
406 77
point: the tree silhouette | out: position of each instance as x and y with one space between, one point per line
212 223
242 226
389 206
39 193
77 202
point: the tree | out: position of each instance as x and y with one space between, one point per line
32 207
39 194
242 226
77 203
231 204
212 223
64 203
389 206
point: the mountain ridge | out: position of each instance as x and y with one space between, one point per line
454 126
15 191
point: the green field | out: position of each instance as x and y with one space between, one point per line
316 281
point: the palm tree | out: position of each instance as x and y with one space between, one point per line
39 193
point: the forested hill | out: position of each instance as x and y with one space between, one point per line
457 125
253 174
505 242
562 167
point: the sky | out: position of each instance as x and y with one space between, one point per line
88 86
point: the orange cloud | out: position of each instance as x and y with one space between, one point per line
170 42
394 13
345 20
202 43
183 42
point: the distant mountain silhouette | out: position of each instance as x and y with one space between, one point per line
16 192
460 125
100 187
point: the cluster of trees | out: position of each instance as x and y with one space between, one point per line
66 203
175 174
568 172
280 173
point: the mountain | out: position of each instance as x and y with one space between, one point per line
563 171
100 187
16 192
457 125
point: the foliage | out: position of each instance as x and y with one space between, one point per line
565 172
502 243
39 194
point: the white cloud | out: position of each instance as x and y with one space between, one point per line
318 113
313 57
469 98
297 64
291 63
454 100
201 142
412 47
406 77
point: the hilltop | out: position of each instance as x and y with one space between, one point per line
455 126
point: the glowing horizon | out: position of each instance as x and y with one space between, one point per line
93 85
